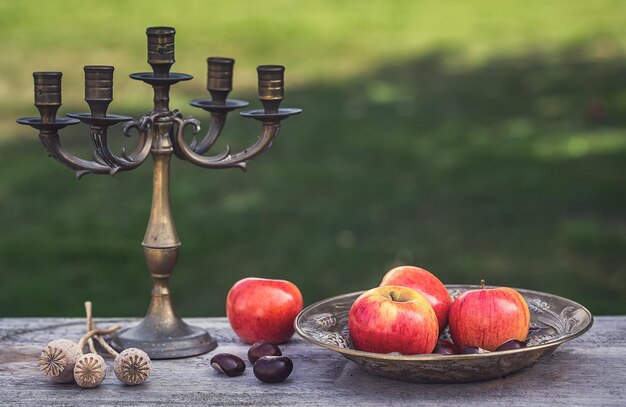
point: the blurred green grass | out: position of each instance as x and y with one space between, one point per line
478 141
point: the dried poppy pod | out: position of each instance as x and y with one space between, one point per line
90 370
132 366
58 358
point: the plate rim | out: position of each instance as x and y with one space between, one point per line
436 357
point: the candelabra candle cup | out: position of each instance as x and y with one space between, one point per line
220 78
271 86
47 94
161 49
98 88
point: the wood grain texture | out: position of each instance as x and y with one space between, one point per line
590 370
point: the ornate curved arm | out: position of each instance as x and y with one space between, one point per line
186 152
270 131
52 143
102 152
218 119
216 125
226 160
99 137
144 144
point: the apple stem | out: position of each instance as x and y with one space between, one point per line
392 294
482 284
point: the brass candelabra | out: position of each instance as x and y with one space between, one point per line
161 133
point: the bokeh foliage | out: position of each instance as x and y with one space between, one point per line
479 140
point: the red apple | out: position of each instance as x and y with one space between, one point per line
488 317
425 283
263 310
393 319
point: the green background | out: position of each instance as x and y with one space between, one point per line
476 139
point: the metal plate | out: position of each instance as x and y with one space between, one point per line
210 106
553 321
259 114
108 120
153 79
59 123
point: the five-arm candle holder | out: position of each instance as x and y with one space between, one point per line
162 333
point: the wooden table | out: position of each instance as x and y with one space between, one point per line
590 370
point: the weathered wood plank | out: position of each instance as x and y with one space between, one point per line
590 370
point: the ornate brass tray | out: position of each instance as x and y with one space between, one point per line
554 320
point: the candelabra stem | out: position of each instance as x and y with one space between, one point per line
161 98
162 333
161 232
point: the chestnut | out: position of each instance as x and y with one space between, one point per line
228 364
273 369
260 349
444 347
511 345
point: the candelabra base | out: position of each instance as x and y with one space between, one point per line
178 340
